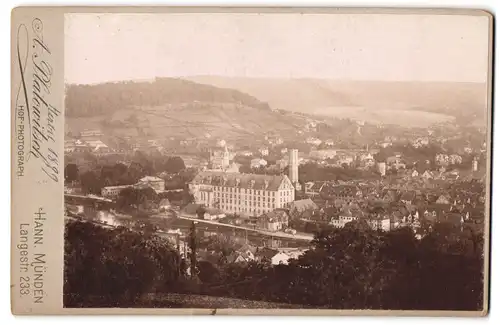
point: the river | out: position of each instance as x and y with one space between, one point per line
166 222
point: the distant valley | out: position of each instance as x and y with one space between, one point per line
403 103
245 107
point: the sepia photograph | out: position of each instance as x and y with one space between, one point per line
277 160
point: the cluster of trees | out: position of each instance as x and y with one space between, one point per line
419 156
314 172
116 267
409 152
350 268
353 269
90 100
142 201
132 200
157 163
98 176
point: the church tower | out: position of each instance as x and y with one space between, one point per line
474 164
293 165
225 159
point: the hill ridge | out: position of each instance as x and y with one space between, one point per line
106 98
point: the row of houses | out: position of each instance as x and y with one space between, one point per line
249 253
420 222
92 146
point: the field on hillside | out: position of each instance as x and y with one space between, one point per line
189 120
405 118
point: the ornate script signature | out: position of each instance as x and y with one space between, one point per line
33 108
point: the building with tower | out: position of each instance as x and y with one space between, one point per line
381 168
474 164
245 194
219 160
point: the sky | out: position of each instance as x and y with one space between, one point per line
112 47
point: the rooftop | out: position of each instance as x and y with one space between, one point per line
252 181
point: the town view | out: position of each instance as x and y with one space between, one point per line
224 192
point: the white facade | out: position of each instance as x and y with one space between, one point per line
382 168
380 224
280 258
257 163
341 221
113 191
313 141
155 183
242 193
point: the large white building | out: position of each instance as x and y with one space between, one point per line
156 183
247 194
113 191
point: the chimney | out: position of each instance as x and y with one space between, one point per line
293 166
266 182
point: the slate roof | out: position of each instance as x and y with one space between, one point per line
275 215
303 205
266 252
191 208
317 186
390 194
408 196
214 211
336 190
240 180
164 202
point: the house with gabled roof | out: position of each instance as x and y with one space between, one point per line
300 206
240 257
380 223
428 175
164 204
443 199
213 214
265 254
408 197
273 221
390 195
313 188
281 258
345 193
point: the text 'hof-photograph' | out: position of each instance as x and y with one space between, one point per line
300 161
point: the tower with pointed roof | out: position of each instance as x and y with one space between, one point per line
225 159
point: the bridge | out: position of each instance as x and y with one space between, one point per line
89 197
301 237
91 201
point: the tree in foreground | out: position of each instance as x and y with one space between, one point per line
115 268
